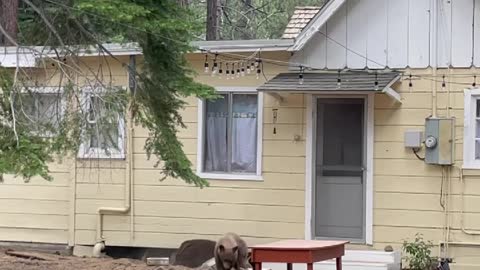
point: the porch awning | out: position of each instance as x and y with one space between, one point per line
328 82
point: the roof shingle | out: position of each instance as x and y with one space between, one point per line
300 18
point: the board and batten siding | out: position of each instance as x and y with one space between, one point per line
396 34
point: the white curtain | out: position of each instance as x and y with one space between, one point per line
216 144
244 143
244 133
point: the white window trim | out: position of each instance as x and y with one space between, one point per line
470 96
311 117
47 90
95 152
200 135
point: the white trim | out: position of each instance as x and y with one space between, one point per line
228 176
311 116
469 162
201 131
95 152
369 181
243 45
309 167
45 91
316 23
392 93
226 89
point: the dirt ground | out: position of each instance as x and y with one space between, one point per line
41 261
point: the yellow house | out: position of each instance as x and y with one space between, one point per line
361 125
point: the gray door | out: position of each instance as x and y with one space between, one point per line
339 190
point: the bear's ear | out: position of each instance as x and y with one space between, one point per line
234 249
221 248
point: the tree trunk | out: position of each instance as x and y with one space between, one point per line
8 19
213 19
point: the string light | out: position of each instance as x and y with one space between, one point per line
215 66
257 64
255 61
339 81
300 76
220 71
227 71
206 63
252 66
238 70
443 83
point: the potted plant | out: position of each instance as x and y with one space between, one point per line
419 254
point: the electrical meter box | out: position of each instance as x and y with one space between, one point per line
439 141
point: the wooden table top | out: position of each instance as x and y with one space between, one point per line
300 245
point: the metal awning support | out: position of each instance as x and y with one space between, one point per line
334 82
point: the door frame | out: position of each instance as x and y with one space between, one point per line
311 100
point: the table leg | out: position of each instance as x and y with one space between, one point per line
258 266
289 266
339 263
309 266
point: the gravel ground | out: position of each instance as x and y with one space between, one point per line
41 261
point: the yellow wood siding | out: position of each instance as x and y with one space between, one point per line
165 213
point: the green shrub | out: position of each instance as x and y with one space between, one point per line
419 254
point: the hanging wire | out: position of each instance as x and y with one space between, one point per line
272 61
474 84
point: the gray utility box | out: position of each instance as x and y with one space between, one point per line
413 139
439 141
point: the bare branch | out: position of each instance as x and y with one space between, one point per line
47 22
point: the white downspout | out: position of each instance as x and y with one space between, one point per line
100 245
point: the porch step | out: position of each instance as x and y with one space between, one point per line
353 260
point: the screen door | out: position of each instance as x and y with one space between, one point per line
339 189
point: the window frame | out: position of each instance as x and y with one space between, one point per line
97 152
257 176
47 90
470 106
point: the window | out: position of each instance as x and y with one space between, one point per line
42 109
230 136
471 140
104 133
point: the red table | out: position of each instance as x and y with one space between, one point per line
298 251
